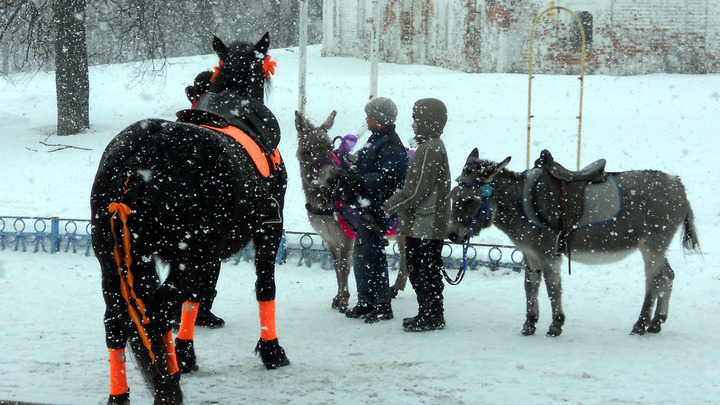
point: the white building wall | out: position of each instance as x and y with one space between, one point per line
628 36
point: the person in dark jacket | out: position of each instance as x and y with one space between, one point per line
377 173
424 207
199 88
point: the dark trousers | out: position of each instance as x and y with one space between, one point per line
424 262
370 265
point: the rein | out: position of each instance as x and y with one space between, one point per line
312 168
484 214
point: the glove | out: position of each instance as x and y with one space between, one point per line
350 183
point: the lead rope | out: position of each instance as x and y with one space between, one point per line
484 212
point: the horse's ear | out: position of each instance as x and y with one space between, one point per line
219 48
329 121
263 44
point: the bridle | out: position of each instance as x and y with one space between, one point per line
483 215
313 167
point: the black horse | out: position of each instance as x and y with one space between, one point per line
189 196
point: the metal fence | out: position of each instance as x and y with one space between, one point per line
60 235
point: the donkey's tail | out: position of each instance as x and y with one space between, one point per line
689 236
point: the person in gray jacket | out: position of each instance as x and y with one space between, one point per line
424 207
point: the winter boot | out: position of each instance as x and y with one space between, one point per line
424 324
415 282
359 310
205 318
381 312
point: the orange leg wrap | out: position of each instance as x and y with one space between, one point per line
187 320
267 320
118 376
170 357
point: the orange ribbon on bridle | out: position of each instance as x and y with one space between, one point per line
268 66
217 70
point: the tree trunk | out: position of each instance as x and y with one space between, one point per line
72 85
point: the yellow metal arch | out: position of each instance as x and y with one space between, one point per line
530 77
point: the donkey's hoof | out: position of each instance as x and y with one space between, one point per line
554 331
528 330
335 303
122 399
342 308
638 330
654 328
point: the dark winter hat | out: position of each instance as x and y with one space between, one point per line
430 114
200 86
382 110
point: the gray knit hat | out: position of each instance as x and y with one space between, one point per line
382 110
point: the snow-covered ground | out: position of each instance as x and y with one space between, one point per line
51 334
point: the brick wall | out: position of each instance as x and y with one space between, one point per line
628 36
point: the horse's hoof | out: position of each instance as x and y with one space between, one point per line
185 354
637 330
122 399
528 330
271 354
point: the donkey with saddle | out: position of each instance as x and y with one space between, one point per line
592 216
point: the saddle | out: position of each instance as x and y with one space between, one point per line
560 199
225 108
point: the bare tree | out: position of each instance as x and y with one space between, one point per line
36 34
72 83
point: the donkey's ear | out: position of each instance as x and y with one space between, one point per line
498 169
473 156
219 48
329 121
504 163
263 44
300 123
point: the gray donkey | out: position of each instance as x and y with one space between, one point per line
646 209
315 153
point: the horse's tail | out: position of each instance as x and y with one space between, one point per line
153 350
689 236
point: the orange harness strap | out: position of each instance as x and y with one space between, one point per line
253 149
267 320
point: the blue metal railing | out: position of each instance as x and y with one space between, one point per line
54 235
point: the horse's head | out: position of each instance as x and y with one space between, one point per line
241 68
472 205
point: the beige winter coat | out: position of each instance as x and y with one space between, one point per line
424 201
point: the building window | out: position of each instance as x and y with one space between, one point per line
586 19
